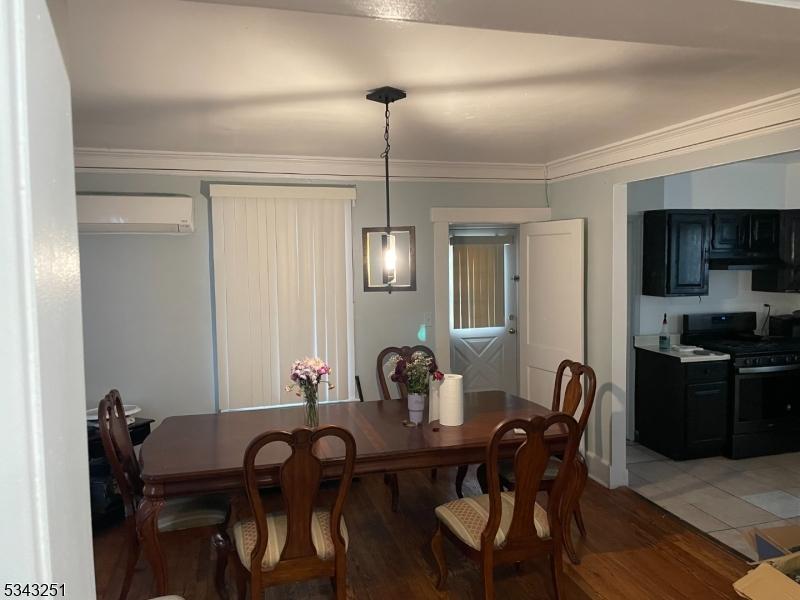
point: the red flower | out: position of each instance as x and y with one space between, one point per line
438 375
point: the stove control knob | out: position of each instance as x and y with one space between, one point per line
774 360
748 362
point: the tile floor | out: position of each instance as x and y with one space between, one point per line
722 497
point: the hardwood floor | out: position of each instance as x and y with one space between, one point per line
634 550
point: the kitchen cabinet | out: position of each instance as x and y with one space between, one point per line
681 408
785 278
731 229
705 402
676 253
744 239
764 233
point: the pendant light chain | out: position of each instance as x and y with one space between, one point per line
385 157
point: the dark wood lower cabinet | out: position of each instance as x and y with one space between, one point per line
705 429
681 408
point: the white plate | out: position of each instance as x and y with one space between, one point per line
130 409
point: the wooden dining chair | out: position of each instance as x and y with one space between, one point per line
305 541
567 402
178 514
405 353
510 527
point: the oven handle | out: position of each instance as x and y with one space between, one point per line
775 369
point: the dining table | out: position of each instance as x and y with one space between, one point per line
203 454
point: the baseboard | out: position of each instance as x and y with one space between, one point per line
599 468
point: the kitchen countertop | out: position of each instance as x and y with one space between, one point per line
650 343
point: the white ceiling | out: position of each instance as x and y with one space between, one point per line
204 77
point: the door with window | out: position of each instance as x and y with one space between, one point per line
483 301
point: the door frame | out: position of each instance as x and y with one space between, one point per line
442 218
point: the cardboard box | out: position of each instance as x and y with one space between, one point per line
775 541
769 581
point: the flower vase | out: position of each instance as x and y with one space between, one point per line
416 408
310 393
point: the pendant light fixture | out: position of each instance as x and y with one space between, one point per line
386 95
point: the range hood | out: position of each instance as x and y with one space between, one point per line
744 263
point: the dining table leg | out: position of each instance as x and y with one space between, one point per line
147 526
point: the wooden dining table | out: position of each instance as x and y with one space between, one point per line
202 454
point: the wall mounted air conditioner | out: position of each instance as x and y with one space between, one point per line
135 213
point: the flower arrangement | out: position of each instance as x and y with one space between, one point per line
415 373
306 376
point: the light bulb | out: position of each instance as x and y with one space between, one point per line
389 258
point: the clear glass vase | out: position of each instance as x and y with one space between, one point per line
310 394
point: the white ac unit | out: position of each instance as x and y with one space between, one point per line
135 213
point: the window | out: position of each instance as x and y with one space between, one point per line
283 286
478 287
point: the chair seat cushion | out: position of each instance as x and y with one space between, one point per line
193 511
467 518
244 535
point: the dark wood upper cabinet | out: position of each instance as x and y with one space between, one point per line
764 232
731 229
744 234
790 238
676 253
787 277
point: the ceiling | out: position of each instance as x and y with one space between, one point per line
483 85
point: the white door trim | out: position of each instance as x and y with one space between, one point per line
618 469
442 218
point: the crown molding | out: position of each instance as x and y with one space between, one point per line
305 167
747 120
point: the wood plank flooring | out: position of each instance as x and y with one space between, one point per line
634 550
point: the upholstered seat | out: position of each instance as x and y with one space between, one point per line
244 535
193 511
467 518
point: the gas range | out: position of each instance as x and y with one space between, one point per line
757 352
764 408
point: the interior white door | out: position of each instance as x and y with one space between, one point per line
551 303
487 357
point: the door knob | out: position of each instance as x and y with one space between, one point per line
512 330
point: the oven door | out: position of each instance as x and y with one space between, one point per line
766 398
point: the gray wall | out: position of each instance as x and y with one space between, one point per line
147 302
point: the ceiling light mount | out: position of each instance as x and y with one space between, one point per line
386 94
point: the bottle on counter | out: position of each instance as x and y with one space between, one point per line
663 335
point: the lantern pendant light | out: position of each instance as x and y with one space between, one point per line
386 95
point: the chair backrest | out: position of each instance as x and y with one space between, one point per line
119 450
530 463
404 352
300 478
574 393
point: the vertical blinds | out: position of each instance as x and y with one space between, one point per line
478 284
283 286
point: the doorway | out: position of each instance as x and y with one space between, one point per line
483 306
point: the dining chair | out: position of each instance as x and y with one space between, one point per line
178 514
572 398
405 353
510 527
305 541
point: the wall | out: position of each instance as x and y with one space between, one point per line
147 299
45 509
601 198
